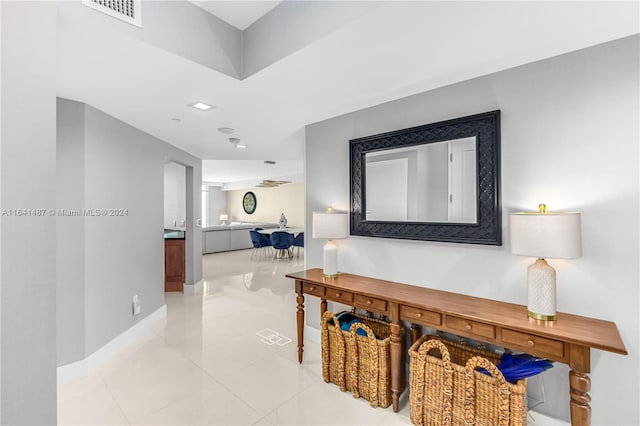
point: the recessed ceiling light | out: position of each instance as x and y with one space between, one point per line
241 146
234 140
226 130
201 106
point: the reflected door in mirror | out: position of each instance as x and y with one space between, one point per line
435 182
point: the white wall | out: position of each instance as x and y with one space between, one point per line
569 139
120 168
28 244
292 25
179 27
70 241
217 205
271 202
175 212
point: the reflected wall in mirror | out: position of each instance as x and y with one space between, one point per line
423 183
437 182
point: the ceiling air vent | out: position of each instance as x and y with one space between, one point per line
125 10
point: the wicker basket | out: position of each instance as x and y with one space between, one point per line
359 364
448 391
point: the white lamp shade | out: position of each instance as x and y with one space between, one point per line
550 235
331 225
224 217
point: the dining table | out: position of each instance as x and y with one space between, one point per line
293 231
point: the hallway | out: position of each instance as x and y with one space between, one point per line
223 358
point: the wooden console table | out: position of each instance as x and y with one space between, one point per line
568 340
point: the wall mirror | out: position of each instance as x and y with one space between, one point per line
437 182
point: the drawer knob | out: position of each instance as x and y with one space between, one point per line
419 315
368 302
530 342
468 326
312 288
338 294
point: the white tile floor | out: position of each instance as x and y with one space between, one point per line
209 366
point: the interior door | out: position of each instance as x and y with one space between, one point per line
462 181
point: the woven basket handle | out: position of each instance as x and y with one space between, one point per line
447 388
375 361
328 317
470 390
436 344
371 337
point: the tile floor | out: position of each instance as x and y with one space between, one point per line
210 366
217 363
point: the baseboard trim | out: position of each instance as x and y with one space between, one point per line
537 419
82 368
312 334
195 288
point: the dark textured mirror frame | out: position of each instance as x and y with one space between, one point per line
488 228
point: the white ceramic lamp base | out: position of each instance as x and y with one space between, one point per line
330 260
541 286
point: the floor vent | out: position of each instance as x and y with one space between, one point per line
126 10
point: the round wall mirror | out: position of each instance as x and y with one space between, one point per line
249 202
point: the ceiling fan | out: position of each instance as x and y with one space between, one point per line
266 183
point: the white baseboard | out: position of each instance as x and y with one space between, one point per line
312 334
537 419
195 288
80 369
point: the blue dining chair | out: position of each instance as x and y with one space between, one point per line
260 242
282 241
298 242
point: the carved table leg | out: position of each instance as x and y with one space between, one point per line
415 333
397 365
300 319
580 385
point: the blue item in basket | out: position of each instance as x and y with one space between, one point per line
347 320
515 367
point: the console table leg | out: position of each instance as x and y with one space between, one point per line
300 319
397 370
323 307
580 385
415 333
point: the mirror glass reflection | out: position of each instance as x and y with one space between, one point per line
433 182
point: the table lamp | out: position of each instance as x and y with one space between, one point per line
551 235
224 218
332 225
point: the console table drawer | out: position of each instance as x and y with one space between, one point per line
370 303
541 345
421 316
313 289
471 327
339 295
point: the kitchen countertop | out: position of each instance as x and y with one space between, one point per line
173 234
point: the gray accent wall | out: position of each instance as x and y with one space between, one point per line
570 132
120 170
28 243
